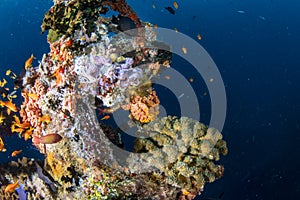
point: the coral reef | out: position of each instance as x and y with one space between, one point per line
64 18
91 66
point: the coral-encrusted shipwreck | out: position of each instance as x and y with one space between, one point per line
89 69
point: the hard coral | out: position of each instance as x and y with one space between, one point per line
183 149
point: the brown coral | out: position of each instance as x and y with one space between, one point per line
143 108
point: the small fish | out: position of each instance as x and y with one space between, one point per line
2 118
185 192
171 10
262 18
180 96
11 187
168 77
16 152
16 118
28 134
175 4
191 80
199 36
2 148
12 95
241 11
51 138
184 50
153 5
33 96
4 92
3 83
9 105
7 73
105 117
45 118
18 130
17 123
28 62
11 74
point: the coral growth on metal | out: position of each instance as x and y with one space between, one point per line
95 69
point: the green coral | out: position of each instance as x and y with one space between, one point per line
65 19
183 149
52 36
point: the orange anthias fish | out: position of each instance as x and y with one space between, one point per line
10 106
2 118
12 187
58 75
14 129
18 123
2 148
168 77
199 36
15 153
45 118
105 117
28 62
175 4
47 139
3 83
28 134
32 96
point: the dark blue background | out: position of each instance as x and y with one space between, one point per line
257 53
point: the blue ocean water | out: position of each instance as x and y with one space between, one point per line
254 43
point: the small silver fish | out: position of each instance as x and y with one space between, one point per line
180 96
262 18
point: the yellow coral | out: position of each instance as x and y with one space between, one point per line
58 168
